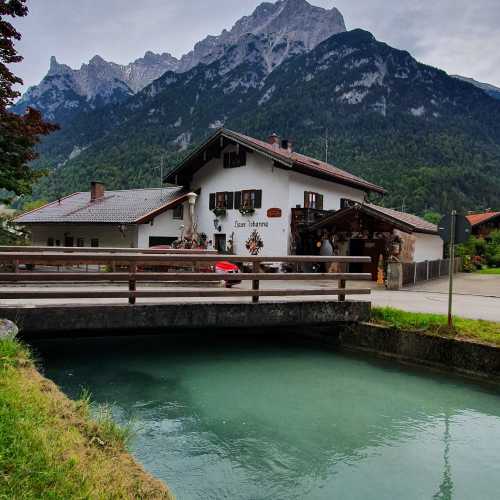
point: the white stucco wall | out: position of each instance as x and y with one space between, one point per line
428 247
163 226
281 188
108 235
258 173
332 192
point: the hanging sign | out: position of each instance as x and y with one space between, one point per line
274 213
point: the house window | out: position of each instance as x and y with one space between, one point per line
346 203
313 200
234 159
223 199
94 242
50 242
250 198
80 242
178 212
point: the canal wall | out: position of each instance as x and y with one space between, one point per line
420 348
123 319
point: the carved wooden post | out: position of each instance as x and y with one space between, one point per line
255 283
132 282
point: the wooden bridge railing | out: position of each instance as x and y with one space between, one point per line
135 262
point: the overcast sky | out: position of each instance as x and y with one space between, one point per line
459 36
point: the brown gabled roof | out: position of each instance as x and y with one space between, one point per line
401 220
132 206
476 219
290 159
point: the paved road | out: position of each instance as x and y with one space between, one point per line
477 296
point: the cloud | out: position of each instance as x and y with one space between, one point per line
458 36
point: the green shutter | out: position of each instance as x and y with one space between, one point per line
212 201
320 202
229 200
258 199
242 160
237 200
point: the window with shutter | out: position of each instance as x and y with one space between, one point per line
313 200
250 198
212 201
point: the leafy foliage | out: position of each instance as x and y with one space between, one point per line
18 134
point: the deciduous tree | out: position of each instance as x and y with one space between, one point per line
18 134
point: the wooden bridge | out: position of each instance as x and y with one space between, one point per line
61 289
137 266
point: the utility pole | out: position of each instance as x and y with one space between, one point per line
452 267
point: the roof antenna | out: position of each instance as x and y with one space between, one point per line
326 145
162 158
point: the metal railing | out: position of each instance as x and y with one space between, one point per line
144 266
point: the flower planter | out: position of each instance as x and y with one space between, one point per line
247 211
219 212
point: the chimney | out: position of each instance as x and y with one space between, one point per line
287 144
96 190
274 140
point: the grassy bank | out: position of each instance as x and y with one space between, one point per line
436 324
50 447
490 270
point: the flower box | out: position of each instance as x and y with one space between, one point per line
219 212
247 211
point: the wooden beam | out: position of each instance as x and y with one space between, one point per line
101 294
184 277
127 258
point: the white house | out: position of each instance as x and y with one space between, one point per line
248 188
135 218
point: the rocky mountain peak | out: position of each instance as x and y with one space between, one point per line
283 22
270 35
56 68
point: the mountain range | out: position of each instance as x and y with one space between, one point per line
431 139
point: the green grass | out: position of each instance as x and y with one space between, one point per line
437 324
490 270
51 447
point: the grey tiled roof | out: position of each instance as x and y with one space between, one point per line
119 207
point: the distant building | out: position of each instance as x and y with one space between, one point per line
135 218
483 223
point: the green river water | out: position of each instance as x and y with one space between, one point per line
254 419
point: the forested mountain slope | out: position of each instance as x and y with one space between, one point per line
432 140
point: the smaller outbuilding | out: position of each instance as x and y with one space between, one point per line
133 218
378 232
484 223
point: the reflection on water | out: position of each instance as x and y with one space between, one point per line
222 420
